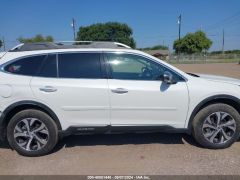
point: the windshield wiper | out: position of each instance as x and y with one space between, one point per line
192 74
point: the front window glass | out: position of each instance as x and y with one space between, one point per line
133 67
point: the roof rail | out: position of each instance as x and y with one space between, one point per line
90 42
122 45
73 45
74 42
17 47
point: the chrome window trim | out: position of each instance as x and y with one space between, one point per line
97 51
2 66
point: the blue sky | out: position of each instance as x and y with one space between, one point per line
153 21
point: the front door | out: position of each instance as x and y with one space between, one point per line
139 98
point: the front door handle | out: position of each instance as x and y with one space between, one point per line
48 89
119 91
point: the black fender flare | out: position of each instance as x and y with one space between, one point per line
32 104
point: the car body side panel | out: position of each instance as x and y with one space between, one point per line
77 102
201 89
149 103
16 88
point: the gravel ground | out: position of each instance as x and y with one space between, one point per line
223 69
131 154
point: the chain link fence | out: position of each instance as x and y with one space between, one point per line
203 58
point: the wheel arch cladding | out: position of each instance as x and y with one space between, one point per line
14 108
223 98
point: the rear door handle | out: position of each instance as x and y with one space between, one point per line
119 91
48 89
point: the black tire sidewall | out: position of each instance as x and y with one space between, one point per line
203 114
46 119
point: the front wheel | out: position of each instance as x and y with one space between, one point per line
32 133
216 126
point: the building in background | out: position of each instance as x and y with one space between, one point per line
161 54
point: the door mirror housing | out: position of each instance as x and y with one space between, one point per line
168 78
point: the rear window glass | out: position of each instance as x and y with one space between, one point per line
49 67
79 65
26 66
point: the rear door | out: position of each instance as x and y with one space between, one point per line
72 85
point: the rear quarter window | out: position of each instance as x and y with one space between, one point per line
26 66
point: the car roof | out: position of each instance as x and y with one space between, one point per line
73 45
18 54
31 49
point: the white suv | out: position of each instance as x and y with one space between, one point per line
50 90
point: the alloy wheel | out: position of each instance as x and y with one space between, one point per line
31 134
219 127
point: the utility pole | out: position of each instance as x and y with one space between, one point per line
4 46
179 26
179 33
73 24
223 41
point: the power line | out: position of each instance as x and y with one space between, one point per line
225 21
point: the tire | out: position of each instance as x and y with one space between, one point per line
32 133
226 136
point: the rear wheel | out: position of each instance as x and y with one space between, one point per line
216 126
32 133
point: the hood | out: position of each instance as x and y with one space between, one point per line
220 78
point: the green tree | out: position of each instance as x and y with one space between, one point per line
192 43
111 31
37 38
1 43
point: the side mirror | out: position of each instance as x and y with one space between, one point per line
168 78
